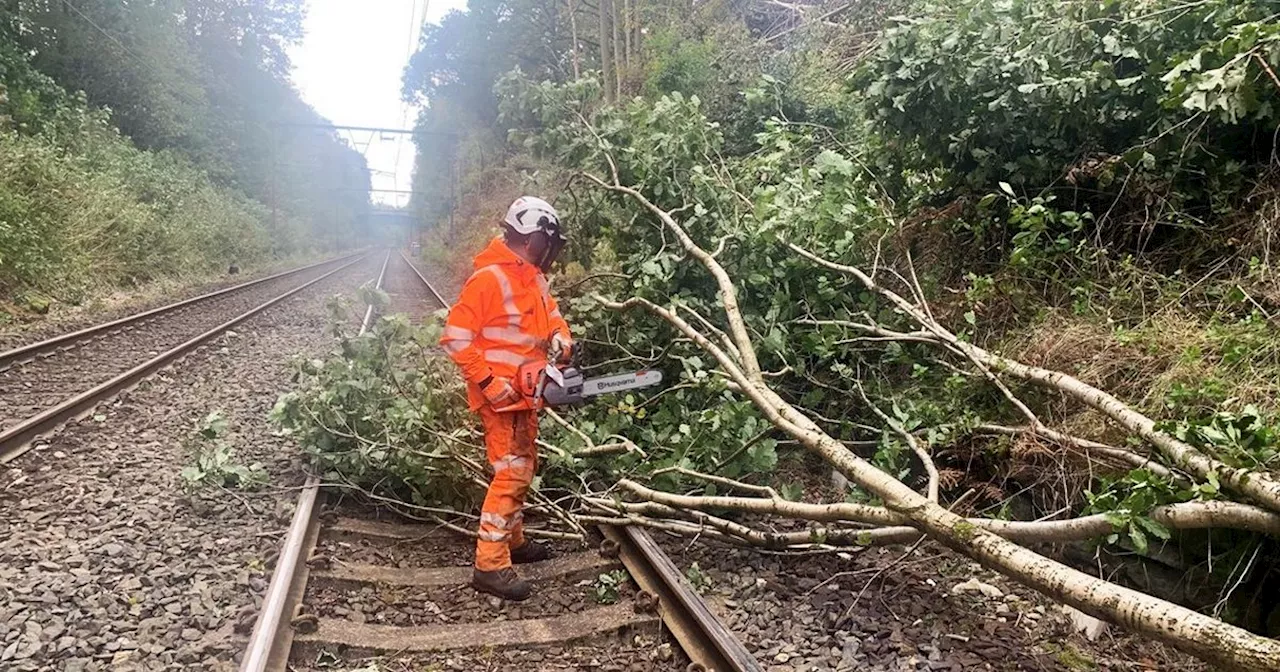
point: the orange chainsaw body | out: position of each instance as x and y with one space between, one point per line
532 383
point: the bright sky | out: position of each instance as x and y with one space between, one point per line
349 66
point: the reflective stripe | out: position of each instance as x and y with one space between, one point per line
494 519
509 335
503 357
510 462
508 296
555 314
494 536
501 522
458 333
456 339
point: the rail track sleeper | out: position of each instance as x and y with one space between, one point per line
356 527
352 573
491 635
665 597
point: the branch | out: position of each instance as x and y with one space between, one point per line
925 458
593 276
728 292
1184 516
1258 485
822 513
729 482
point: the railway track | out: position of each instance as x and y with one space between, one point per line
347 588
45 384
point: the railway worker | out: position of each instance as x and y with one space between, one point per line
505 317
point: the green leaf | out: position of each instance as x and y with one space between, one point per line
832 161
1138 538
1154 528
1004 186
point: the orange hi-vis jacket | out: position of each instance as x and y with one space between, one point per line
504 317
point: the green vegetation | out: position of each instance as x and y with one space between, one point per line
381 404
608 584
213 462
145 140
1087 187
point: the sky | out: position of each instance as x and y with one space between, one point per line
348 67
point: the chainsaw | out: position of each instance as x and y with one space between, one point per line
548 384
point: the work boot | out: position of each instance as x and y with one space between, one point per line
502 583
528 552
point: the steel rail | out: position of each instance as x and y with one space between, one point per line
423 278
15 440
32 350
708 643
270 641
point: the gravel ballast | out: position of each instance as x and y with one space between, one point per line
106 561
121 304
883 610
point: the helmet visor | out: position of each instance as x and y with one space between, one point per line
547 243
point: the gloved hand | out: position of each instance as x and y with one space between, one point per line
561 347
498 391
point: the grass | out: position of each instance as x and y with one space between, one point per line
1155 360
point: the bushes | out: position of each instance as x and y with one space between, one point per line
1022 91
116 216
1153 110
83 207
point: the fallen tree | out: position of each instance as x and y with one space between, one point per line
384 415
734 350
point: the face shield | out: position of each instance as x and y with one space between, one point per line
546 243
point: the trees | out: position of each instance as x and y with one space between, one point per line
210 156
1017 266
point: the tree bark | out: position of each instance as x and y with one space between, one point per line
1183 628
617 46
626 30
605 46
573 34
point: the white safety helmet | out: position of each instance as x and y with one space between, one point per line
535 219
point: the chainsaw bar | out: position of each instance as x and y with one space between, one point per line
592 387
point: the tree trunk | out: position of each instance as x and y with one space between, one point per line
605 47
1178 626
573 34
617 46
626 31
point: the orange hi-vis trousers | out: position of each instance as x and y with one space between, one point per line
509 440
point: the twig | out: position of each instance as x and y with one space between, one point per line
925 458
882 570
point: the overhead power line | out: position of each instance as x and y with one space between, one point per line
375 129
